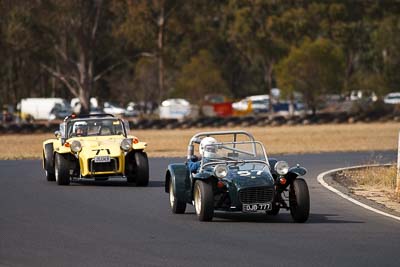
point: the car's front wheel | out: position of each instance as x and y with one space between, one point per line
142 169
299 200
62 169
48 162
203 200
275 209
177 206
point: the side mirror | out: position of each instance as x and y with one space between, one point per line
57 134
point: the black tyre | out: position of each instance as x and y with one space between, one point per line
130 167
142 169
49 162
275 209
299 200
177 206
62 169
203 200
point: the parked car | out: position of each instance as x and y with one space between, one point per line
363 94
95 147
132 110
255 104
94 105
392 98
175 108
112 108
235 176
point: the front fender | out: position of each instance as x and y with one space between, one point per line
178 173
139 146
298 170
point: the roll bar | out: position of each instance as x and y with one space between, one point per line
81 116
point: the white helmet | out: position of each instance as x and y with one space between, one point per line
206 147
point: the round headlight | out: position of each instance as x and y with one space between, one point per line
126 144
76 146
282 167
221 171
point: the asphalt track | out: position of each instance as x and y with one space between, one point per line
112 224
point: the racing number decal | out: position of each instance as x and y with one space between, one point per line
98 151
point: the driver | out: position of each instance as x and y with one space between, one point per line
207 150
80 128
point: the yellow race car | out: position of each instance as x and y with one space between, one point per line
95 147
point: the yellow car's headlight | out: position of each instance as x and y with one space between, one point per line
76 146
126 144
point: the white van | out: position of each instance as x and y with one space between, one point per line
44 108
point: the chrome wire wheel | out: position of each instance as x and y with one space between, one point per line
197 199
171 195
177 205
57 174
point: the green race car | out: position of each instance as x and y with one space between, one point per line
234 174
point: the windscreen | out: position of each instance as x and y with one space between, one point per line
236 151
241 155
95 127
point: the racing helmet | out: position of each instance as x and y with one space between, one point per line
207 149
80 128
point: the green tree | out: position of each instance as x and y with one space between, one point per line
313 69
386 41
76 32
251 31
145 25
199 77
20 72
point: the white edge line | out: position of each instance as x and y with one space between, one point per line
321 180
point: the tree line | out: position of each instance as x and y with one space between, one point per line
149 50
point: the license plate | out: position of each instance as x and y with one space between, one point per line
99 159
257 207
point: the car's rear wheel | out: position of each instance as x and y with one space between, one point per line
142 169
299 200
62 169
177 206
203 200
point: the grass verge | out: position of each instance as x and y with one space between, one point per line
374 183
277 140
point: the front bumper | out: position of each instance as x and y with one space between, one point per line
90 168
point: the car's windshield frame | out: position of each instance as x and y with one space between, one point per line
69 126
230 161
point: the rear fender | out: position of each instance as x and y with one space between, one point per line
179 175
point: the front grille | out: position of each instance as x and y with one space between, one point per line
256 195
111 166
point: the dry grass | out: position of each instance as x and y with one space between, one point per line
375 183
284 139
376 177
